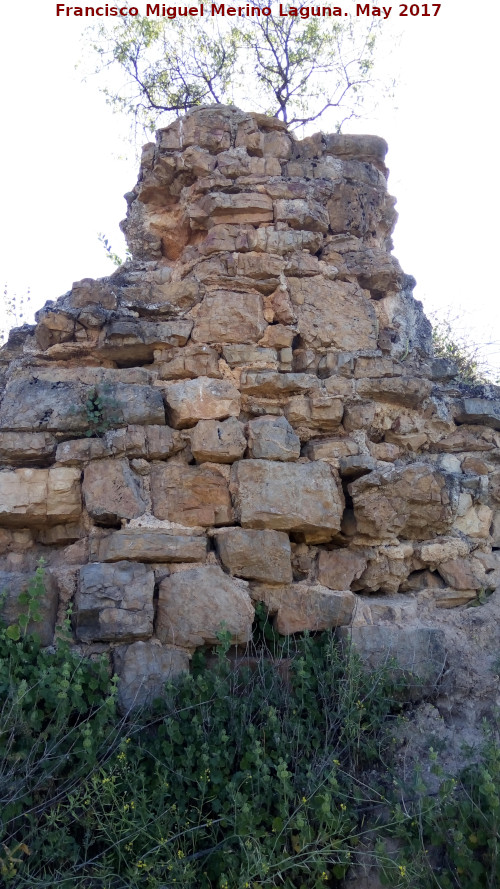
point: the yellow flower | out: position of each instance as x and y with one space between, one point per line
402 870
180 853
343 807
304 799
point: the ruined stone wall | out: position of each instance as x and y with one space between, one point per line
250 411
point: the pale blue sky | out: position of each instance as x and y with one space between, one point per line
65 165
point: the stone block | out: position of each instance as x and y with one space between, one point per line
59 406
301 214
271 384
303 606
112 491
226 316
255 555
485 411
417 501
299 497
218 441
338 568
37 497
12 585
27 447
190 495
201 399
333 314
196 604
150 545
219 207
187 362
144 668
272 438
114 602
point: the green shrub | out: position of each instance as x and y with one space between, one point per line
451 839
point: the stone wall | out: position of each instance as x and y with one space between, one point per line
250 411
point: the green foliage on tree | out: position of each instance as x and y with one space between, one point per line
293 67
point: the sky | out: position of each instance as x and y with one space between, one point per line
65 161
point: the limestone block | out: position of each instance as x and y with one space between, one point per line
194 605
12 584
144 668
387 571
365 148
36 404
136 340
271 384
301 214
485 411
338 568
331 449
220 207
272 438
169 299
333 314
150 545
475 522
417 502
218 441
190 495
36 497
452 598
201 399
187 362
405 391
27 447
363 211
257 356
77 451
419 652
463 574
376 270
114 602
301 497
303 606
443 550
255 555
111 491
226 316
277 144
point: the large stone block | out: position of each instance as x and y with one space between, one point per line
201 399
302 497
190 495
196 604
333 313
226 316
272 438
418 501
36 497
27 447
12 585
218 442
255 555
485 411
43 405
219 207
111 491
114 602
144 668
303 606
150 545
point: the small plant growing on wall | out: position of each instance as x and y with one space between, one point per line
101 412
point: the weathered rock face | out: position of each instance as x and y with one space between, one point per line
248 410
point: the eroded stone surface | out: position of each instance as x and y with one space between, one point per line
287 497
196 604
114 602
255 555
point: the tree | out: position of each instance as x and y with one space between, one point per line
292 66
